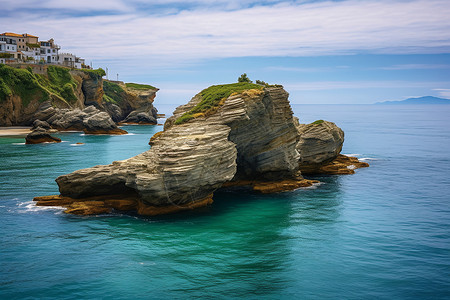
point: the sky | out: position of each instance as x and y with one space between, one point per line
322 52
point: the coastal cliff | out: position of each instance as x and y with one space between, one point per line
227 135
25 94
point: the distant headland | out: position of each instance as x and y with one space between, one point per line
419 100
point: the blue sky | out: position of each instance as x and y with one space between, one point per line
327 52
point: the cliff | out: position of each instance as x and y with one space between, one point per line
26 93
227 135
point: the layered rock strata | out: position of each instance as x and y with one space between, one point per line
249 139
252 136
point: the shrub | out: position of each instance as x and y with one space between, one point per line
244 78
317 122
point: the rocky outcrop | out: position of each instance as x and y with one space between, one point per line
89 120
140 117
245 138
319 146
251 136
319 143
40 135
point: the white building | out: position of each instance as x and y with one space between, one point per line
49 51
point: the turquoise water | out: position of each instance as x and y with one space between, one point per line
382 233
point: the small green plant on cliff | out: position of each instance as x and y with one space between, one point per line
317 122
213 97
244 78
138 86
113 92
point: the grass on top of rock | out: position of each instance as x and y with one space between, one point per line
138 86
22 83
317 122
113 92
29 86
213 97
95 74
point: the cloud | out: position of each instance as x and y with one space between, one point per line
417 67
337 85
445 93
134 38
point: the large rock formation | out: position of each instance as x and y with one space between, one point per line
250 135
230 135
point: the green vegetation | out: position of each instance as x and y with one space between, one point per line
317 122
244 78
138 86
34 45
29 86
6 55
213 97
22 83
95 74
113 92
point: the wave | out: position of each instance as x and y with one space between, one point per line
18 143
76 144
30 206
367 158
312 187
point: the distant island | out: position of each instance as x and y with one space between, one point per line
419 100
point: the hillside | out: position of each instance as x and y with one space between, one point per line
24 92
419 100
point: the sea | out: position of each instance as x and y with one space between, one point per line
382 233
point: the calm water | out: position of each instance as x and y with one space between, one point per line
383 233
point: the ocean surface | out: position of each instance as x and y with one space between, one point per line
383 233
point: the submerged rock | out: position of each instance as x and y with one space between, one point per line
40 135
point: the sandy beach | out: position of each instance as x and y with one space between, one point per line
14 130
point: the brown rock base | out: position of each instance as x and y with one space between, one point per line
46 139
268 187
105 204
342 165
116 131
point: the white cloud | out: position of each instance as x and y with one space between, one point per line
137 38
445 93
337 85
417 67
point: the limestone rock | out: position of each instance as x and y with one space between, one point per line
319 143
40 135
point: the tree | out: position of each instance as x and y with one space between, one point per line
244 78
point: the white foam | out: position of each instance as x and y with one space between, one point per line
30 206
18 143
367 158
76 144
313 186
351 167
353 154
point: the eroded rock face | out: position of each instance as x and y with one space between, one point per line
319 143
